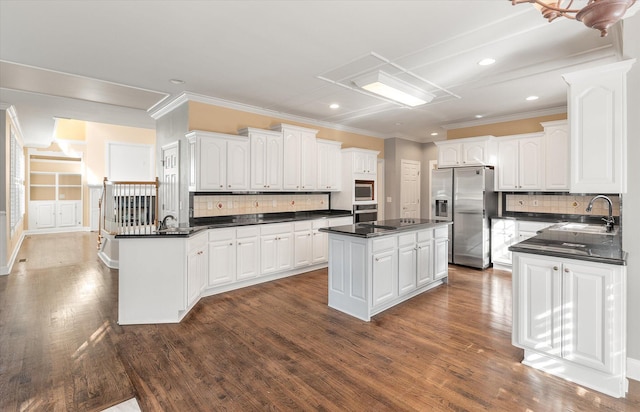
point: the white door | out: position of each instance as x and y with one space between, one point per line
170 185
410 189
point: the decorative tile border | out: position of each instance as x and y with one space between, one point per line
560 204
223 205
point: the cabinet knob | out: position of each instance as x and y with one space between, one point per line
221 186
566 270
239 243
555 268
229 185
377 260
231 244
308 234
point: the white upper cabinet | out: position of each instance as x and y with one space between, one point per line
266 158
218 162
520 163
329 165
365 162
557 160
300 162
472 151
597 104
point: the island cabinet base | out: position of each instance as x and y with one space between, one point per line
615 385
370 275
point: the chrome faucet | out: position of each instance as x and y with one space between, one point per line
609 221
163 224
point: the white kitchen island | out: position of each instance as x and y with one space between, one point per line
374 266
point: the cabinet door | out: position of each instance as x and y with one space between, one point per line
45 215
196 270
407 269
320 242
384 277
587 313
212 164
334 167
237 165
285 252
441 258
474 153
324 166
274 162
538 304
68 214
597 104
268 254
302 248
371 164
308 158
508 165
530 169
425 263
557 159
503 235
258 161
291 160
449 155
248 258
222 262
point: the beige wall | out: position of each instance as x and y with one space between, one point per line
224 120
531 125
68 129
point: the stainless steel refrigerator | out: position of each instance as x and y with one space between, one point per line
466 197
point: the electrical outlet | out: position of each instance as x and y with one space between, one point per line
388 199
534 202
209 205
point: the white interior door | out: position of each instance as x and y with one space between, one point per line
410 189
170 181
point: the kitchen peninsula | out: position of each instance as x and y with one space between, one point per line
374 266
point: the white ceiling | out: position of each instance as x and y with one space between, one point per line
111 61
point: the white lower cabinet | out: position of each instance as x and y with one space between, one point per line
506 232
569 317
55 214
247 253
222 257
368 276
197 268
276 247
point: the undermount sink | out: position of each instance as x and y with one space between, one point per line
176 230
584 228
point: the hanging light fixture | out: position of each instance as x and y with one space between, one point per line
597 14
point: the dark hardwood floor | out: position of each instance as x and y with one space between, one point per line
276 346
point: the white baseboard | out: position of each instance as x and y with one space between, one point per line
633 369
5 270
112 264
57 230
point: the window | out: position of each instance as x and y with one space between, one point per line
16 182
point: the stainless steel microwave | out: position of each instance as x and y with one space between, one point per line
364 190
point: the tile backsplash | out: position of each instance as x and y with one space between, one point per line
224 205
560 204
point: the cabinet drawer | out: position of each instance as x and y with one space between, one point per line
424 235
198 242
251 231
302 225
384 243
441 232
221 234
317 224
407 239
525 226
276 228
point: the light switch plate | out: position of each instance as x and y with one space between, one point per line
388 199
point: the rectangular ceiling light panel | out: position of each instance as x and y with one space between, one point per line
385 85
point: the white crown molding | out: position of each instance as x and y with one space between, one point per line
4 106
506 118
214 101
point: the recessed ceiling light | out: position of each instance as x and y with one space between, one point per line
434 134
479 116
334 106
530 98
176 81
398 124
486 62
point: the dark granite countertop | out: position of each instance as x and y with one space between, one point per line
384 227
600 248
199 224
